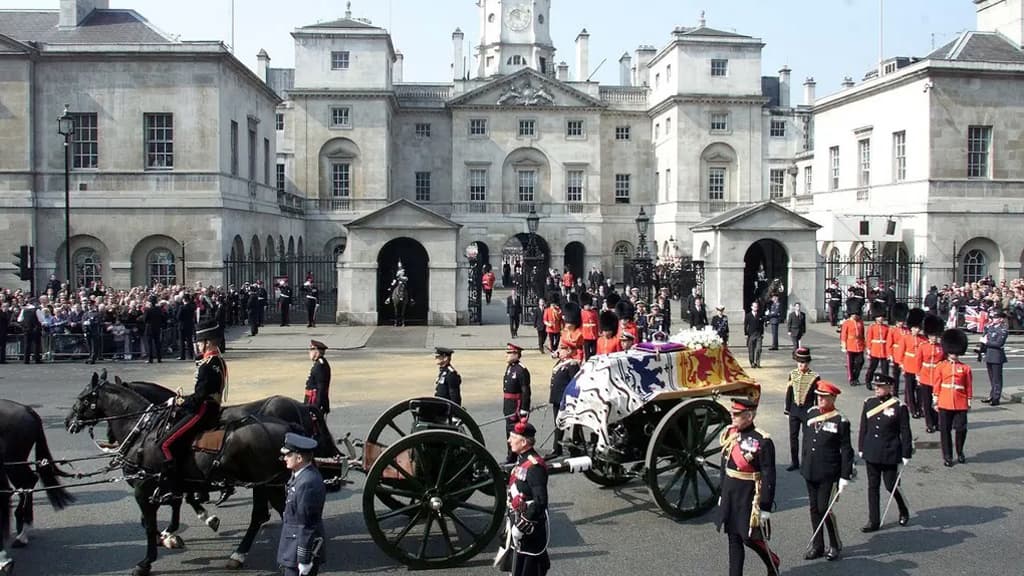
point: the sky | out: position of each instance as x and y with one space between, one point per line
826 39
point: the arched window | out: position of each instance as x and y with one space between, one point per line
88 267
975 266
621 254
833 263
516 60
864 261
161 268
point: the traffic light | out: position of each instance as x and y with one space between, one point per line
23 262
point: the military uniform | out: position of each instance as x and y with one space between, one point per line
312 301
318 384
449 381
528 512
883 442
561 375
515 393
302 527
827 458
799 398
953 392
284 300
995 357
834 297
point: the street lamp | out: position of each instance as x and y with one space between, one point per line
532 258
642 269
66 128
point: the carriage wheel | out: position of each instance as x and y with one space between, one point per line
607 474
683 471
453 494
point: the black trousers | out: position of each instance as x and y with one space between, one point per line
876 474
950 420
542 336
589 348
754 343
876 364
553 339
897 374
487 296
33 346
3 347
795 424
185 339
775 336
254 322
153 344
854 364
310 312
833 314
95 347
737 554
995 378
924 404
513 325
819 494
285 313
910 393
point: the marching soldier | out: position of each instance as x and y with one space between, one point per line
449 381
953 395
894 344
318 384
571 332
609 341
515 390
851 342
827 462
834 297
527 505
799 398
884 442
563 372
589 318
747 489
994 340
877 338
300 551
931 354
912 360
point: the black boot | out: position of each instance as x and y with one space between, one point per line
168 488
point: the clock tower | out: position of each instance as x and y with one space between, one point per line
514 34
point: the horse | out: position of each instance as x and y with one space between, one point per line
6 564
103 399
399 299
21 428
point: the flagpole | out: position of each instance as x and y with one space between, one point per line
232 26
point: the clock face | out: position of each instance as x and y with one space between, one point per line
518 18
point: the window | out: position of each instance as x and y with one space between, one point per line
668 74
668 127
527 186
716 183
252 152
622 186
339 60
423 186
808 180
778 129
719 68
527 128
979 143
85 141
833 163
490 61
516 60
668 182
864 153
478 127
478 185
899 153
341 117
719 121
975 266
281 185
279 121
776 182
657 185
423 129
574 186
88 267
159 141
622 133
266 161
341 185
574 129
657 80
657 130
161 267
234 148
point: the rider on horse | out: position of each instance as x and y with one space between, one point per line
196 412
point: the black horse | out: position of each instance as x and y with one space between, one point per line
6 564
21 429
249 456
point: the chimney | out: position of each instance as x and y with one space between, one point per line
582 56
459 66
809 85
626 70
398 68
644 55
563 72
847 82
263 65
784 87
73 12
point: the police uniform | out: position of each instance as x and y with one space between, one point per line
827 459
449 381
318 384
747 491
302 527
561 375
515 392
799 398
528 510
883 442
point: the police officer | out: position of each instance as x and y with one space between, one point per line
994 340
563 372
799 398
748 488
527 504
827 461
884 441
449 381
515 391
300 551
318 384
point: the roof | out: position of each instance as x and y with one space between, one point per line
730 217
976 46
343 23
771 90
404 212
99 27
532 75
705 31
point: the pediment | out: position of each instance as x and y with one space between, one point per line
403 215
9 45
526 89
760 216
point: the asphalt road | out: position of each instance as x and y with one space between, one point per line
965 520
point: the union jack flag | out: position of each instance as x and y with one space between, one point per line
975 318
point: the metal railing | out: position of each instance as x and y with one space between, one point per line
343 205
290 203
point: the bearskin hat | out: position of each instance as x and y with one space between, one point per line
954 341
608 322
899 312
932 325
915 317
854 306
611 300
554 298
625 310
586 299
878 310
571 313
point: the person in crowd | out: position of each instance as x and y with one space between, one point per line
912 360
994 340
527 505
487 281
589 322
515 390
720 324
877 337
774 315
562 373
931 355
852 343
301 548
539 325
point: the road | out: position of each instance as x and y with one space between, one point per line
964 520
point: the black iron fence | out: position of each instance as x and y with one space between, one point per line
323 271
906 275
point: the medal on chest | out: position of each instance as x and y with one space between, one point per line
889 412
749 447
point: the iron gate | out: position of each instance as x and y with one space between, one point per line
322 269
682 276
906 275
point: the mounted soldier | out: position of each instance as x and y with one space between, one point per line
398 294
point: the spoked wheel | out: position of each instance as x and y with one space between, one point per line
683 468
453 497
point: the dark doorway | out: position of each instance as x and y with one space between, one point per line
417 269
575 254
765 263
484 255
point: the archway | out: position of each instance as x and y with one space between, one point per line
765 261
622 254
416 262
575 254
154 261
484 254
514 250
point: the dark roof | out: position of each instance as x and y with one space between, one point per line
979 47
343 23
737 214
770 90
705 31
281 80
99 27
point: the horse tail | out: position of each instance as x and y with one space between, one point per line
48 470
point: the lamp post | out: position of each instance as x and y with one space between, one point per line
66 128
532 258
642 268
475 287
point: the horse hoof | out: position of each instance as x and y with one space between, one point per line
172 541
233 565
141 570
213 522
7 567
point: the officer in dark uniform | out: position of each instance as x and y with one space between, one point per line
799 398
284 301
261 302
747 489
300 551
884 442
994 340
834 297
318 384
827 461
564 371
312 301
527 505
449 381
515 391
255 306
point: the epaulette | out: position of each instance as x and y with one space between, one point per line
763 434
320 360
536 460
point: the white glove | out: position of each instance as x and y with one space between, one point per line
517 534
842 484
906 461
765 515
170 401
860 455
305 569
524 413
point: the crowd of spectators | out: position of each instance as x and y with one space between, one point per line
985 295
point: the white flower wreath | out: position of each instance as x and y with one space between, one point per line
697 339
